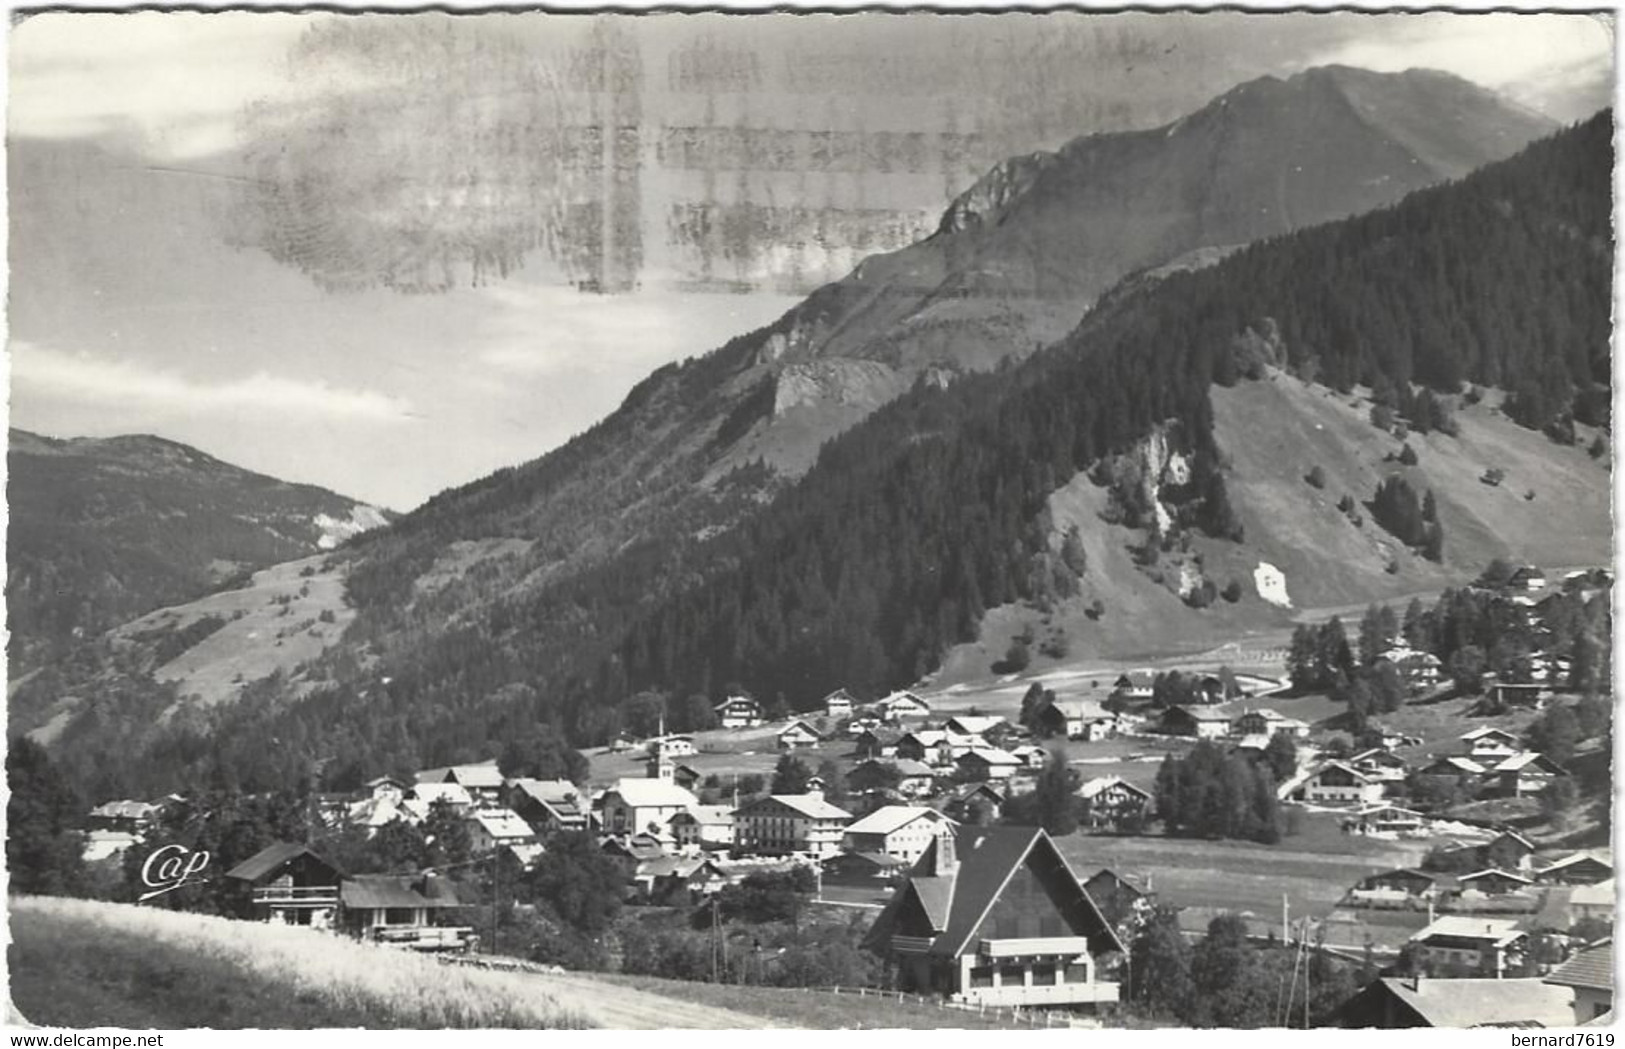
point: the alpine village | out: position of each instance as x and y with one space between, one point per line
1238 656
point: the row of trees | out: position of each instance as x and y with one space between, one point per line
1413 521
1227 981
1214 794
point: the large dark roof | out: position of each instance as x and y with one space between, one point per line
272 857
958 901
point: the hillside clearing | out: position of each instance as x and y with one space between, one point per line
287 615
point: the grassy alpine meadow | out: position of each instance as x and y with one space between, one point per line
85 963
1312 868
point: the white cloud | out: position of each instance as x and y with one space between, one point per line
42 373
1490 49
182 79
538 330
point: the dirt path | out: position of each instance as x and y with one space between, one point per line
626 1009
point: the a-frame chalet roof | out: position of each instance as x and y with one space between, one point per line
957 900
1487 731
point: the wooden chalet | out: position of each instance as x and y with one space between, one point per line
903 831
1492 882
1454 766
1195 722
994 916
402 910
1336 783
1077 719
960 801
879 743
678 880
738 712
490 829
290 884
986 763
1134 684
1393 1002
798 735
876 870
973 724
1380 763
1385 821
1518 695
909 778
674 745
1473 946
1487 745
900 705
1111 801
704 827
1420 671
482 782
548 805
1404 883
1587 867
839 704
1266 722
130 817
1121 900
1589 975
1526 774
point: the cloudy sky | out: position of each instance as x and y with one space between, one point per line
388 254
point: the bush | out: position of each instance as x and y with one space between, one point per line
1407 455
1016 659
1232 591
1493 476
1316 477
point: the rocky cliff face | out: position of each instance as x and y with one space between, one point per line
984 203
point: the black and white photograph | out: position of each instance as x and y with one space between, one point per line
914 519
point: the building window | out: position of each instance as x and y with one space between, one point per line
981 976
1044 974
1012 975
398 916
1077 972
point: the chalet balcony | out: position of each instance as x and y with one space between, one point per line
423 937
1035 946
297 895
911 944
1049 994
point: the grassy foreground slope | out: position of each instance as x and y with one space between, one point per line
85 963
80 963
